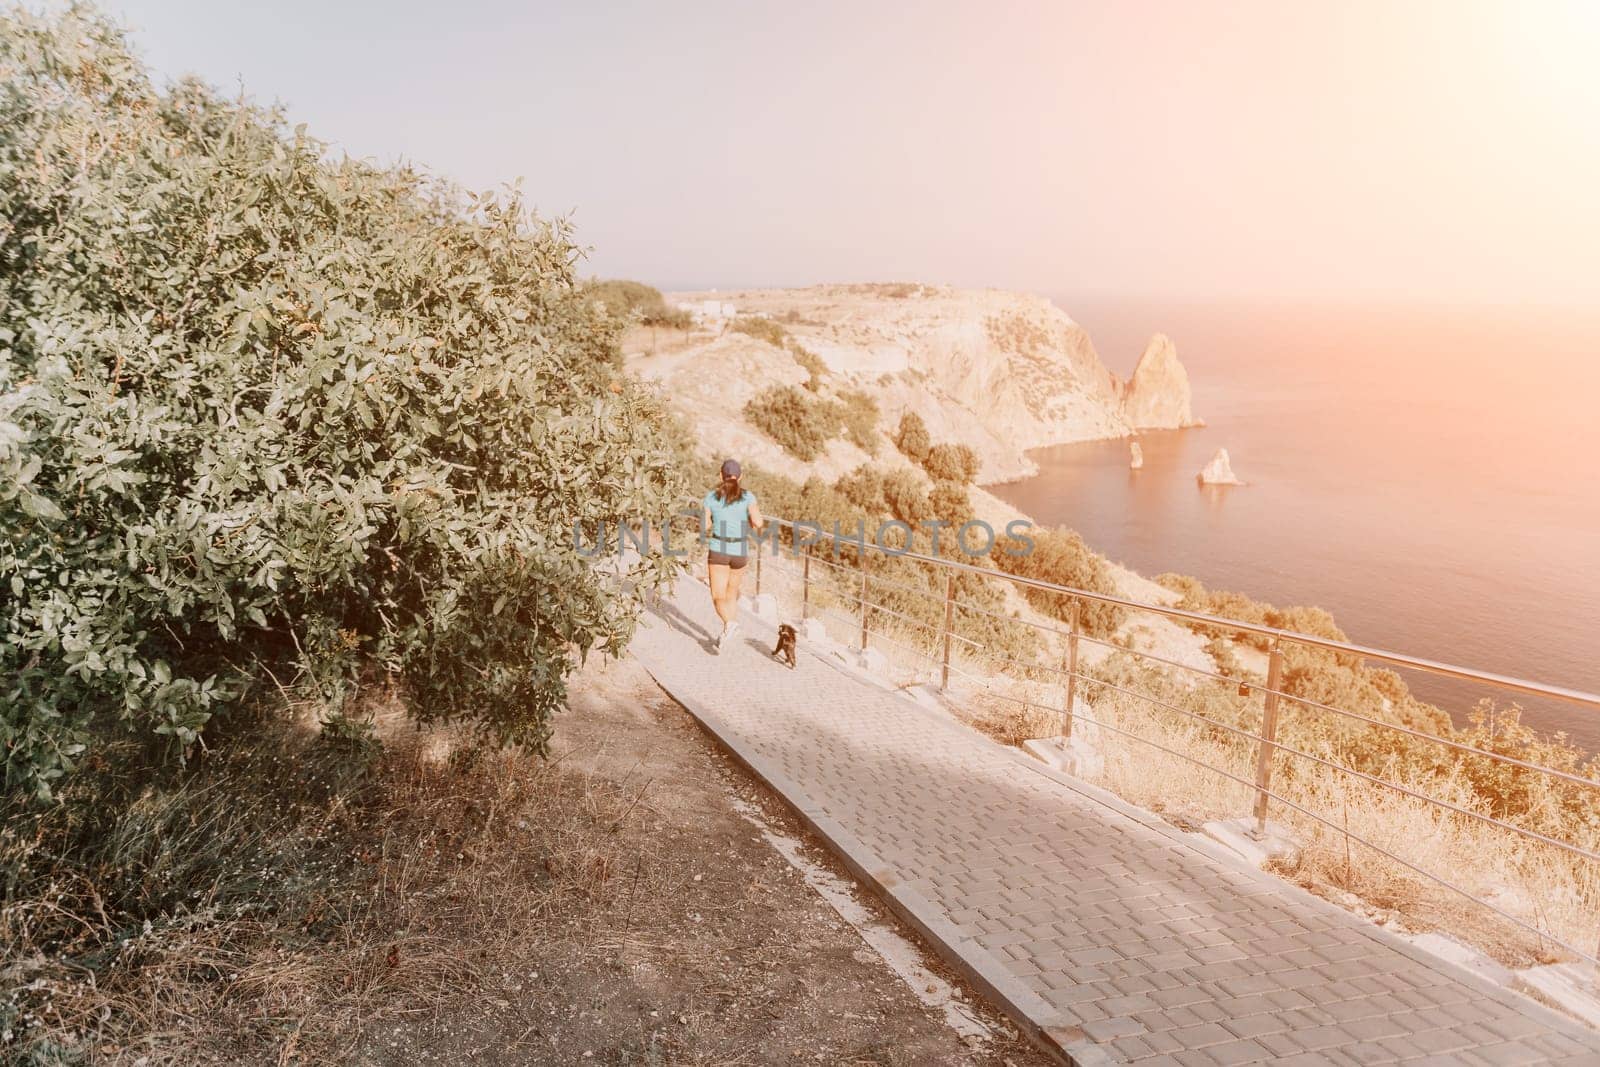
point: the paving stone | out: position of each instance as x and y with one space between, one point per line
1238 1052
1125 927
1203 1035
1254 1025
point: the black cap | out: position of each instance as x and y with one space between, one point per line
730 468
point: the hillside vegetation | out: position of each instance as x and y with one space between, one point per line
631 301
283 438
264 415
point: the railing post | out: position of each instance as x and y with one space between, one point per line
949 622
805 585
1072 671
1269 733
863 600
758 568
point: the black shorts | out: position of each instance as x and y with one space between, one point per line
736 562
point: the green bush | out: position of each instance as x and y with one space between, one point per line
768 330
1059 556
268 416
905 497
812 363
949 501
951 463
912 437
863 487
860 415
635 300
801 423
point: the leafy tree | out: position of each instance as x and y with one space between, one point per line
907 500
951 463
863 487
912 437
264 415
949 501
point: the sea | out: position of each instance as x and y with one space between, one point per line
1431 476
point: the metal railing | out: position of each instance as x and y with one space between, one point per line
850 585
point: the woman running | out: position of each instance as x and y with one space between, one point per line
731 513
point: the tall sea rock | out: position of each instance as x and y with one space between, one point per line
1157 396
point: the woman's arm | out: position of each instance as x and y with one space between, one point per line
757 522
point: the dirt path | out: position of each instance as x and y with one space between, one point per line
706 944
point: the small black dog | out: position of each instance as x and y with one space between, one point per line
785 649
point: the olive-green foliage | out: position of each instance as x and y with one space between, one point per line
768 330
1240 608
860 414
814 501
1222 654
979 600
1342 681
1060 556
949 501
912 437
905 497
267 415
1539 801
863 487
814 367
951 463
629 301
1528 798
1336 679
801 423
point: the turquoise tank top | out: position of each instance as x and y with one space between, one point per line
730 522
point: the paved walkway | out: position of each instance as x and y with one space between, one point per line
1118 938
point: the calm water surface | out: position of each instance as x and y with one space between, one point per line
1430 477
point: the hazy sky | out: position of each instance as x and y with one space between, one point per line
1342 151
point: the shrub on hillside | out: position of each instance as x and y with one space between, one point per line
267 416
912 437
1060 556
801 423
768 330
814 367
1191 593
949 502
863 487
860 413
636 301
905 497
951 463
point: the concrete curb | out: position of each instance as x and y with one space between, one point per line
1054 1030
1038 1020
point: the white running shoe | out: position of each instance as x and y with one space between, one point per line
727 633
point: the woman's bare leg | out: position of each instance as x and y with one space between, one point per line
735 578
717 576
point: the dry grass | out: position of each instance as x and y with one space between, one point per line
1555 892
437 902
309 927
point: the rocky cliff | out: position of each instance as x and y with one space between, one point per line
1157 396
1002 372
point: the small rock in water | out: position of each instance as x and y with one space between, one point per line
1135 456
1219 471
